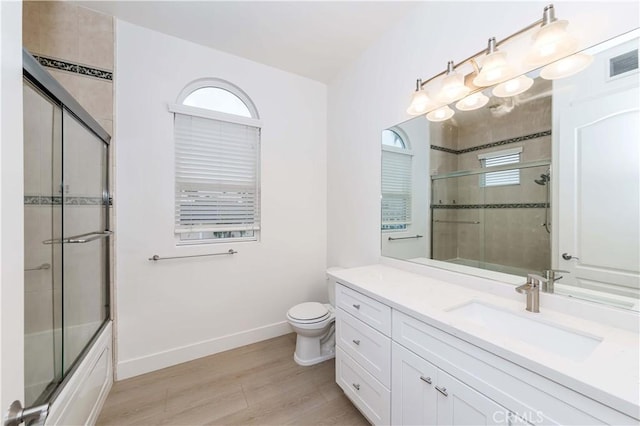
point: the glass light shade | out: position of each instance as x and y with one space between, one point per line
566 67
420 103
513 87
495 69
440 114
550 43
452 89
471 102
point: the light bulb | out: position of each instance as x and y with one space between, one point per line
440 114
566 67
471 102
513 87
495 68
453 87
420 103
550 43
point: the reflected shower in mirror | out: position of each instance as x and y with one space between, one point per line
547 179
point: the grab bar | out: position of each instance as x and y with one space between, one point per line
404 238
38 268
79 239
155 257
473 222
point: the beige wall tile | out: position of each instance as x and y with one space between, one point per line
59 30
96 96
96 41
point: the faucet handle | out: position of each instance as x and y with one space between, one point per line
556 270
535 279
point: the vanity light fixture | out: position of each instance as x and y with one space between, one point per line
495 68
453 87
471 102
440 114
550 49
513 87
420 101
551 41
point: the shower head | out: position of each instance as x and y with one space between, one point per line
544 178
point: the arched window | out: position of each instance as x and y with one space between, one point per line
396 180
217 153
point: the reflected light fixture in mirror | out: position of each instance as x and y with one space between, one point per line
513 87
440 114
566 67
453 87
420 101
471 102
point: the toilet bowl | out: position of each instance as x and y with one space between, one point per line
314 323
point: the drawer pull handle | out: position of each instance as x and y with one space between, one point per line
356 306
426 379
356 386
357 342
442 390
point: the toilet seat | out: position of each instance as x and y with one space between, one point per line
308 313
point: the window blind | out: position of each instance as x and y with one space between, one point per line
505 177
216 175
396 188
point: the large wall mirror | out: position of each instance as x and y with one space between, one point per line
548 179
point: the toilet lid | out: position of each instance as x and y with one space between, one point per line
308 311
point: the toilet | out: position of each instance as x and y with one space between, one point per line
314 323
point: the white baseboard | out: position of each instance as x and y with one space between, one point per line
136 366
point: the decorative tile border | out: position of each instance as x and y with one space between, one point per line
37 200
493 144
74 68
491 206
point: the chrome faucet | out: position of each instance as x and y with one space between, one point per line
551 278
532 289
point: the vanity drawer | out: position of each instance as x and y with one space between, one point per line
371 312
366 393
368 347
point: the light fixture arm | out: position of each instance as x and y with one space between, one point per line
549 13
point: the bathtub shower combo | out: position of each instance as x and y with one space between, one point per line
67 240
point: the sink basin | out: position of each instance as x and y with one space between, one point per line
534 331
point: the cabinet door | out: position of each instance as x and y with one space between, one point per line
413 396
458 404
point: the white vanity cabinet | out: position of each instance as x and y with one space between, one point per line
425 395
398 370
363 353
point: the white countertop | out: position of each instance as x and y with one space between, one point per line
610 374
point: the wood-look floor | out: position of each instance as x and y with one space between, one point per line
258 384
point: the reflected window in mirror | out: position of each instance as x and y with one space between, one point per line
500 158
396 182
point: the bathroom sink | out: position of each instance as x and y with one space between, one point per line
527 328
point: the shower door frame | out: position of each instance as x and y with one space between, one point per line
37 76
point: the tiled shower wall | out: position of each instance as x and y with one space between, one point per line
76 46
498 225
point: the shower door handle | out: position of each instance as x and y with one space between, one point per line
17 414
80 239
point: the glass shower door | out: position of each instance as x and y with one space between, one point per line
42 258
85 245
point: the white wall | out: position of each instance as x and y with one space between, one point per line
373 93
11 206
176 310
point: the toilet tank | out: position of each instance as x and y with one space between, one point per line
331 285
